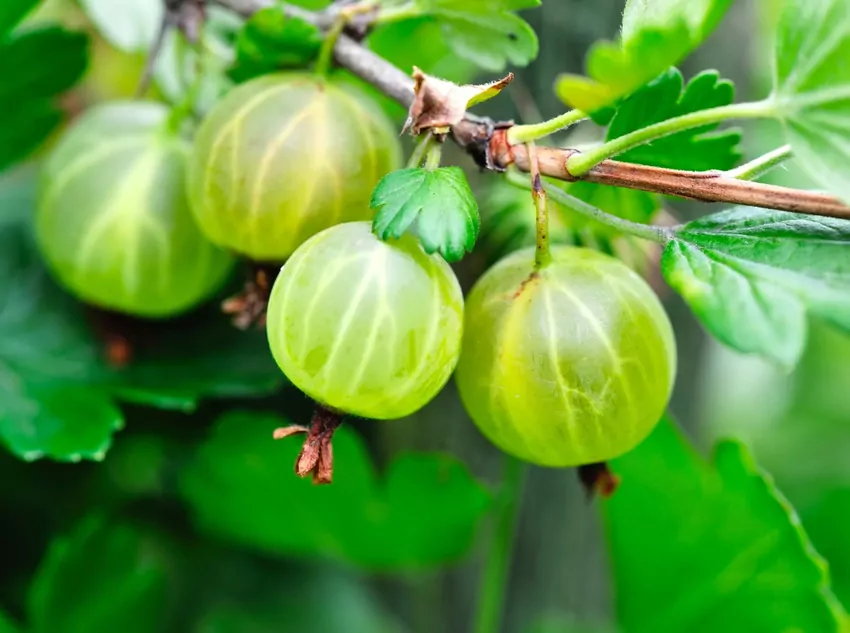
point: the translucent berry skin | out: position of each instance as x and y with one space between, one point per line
570 365
113 220
285 156
366 327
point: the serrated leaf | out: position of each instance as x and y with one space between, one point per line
174 367
651 41
129 25
437 205
241 487
666 97
486 32
751 276
270 40
50 402
707 547
101 578
812 92
12 12
36 66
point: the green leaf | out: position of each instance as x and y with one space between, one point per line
174 367
270 41
437 205
486 32
50 404
666 97
7 625
631 204
12 12
654 37
812 91
103 577
702 547
423 512
751 275
36 66
129 25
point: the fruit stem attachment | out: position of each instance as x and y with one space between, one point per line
435 153
542 255
658 234
316 456
326 52
494 579
422 147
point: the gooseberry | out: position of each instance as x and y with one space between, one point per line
285 156
567 365
113 220
366 327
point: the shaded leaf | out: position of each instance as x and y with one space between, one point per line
654 37
422 513
101 578
437 205
36 66
50 404
666 97
129 25
12 12
175 366
751 275
812 92
705 547
7 625
269 41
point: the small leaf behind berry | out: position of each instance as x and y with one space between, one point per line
241 487
666 97
654 37
703 547
129 25
270 40
437 205
751 276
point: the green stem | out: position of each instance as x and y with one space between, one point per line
760 166
581 163
533 131
643 231
387 15
494 580
418 154
435 152
326 52
542 255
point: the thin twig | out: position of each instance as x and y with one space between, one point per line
487 143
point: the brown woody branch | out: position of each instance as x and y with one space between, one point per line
486 141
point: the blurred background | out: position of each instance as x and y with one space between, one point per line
796 424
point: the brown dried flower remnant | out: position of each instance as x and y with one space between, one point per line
439 104
316 455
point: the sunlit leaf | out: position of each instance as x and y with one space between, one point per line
751 276
707 547
813 88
